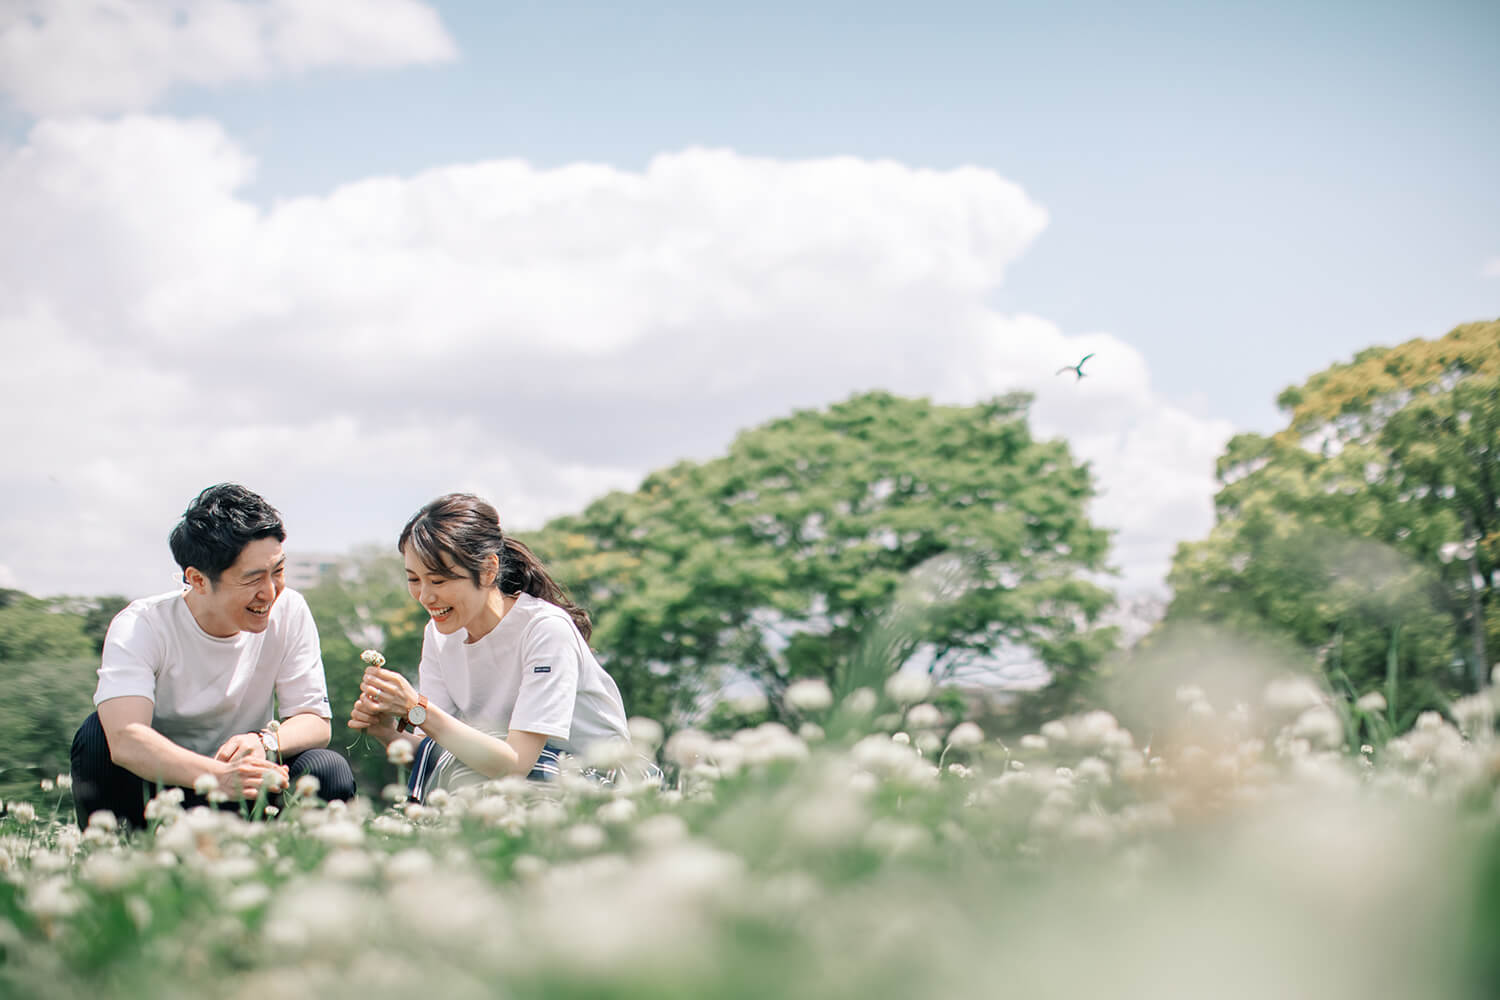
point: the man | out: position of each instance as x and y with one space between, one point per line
187 679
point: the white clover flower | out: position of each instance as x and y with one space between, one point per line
908 687
960 771
416 812
1033 741
205 784
373 658
660 830
107 871
584 838
811 732
340 833
413 862
246 896
924 716
903 738
896 838
23 812
308 786
607 755
1097 729
1374 703
1055 731
528 867
966 735
400 753
348 865
1092 769
273 727
688 746
1474 712
546 815
861 701
139 911
616 812
47 784
1292 695
810 694
103 819
438 798
645 733
64 781
1187 694
52 898
749 702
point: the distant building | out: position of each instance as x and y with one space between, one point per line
304 570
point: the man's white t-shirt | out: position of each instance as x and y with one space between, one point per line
206 689
532 672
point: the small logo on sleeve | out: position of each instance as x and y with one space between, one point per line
545 668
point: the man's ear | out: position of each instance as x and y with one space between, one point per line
196 580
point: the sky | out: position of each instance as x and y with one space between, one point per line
359 253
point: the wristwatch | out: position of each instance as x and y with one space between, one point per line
269 741
415 716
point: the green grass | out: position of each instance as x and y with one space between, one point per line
1239 861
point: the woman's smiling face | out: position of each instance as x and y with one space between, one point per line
448 593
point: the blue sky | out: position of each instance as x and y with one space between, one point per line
347 254
1246 188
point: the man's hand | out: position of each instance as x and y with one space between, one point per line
242 745
244 776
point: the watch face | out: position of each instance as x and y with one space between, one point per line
268 740
417 715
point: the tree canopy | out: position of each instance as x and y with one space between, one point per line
777 560
1368 529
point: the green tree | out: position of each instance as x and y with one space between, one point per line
46 701
777 560
1368 529
35 629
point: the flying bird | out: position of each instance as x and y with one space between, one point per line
1076 369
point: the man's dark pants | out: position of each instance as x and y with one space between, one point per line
100 783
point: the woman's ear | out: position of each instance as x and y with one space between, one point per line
491 570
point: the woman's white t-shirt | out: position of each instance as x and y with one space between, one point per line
532 672
206 689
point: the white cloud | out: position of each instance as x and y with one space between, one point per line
60 57
539 336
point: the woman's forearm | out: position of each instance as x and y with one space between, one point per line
489 755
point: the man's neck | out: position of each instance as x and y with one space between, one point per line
206 621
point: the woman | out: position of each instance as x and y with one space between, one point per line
507 680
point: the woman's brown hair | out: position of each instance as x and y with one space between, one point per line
461 530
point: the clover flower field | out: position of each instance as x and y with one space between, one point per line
879 851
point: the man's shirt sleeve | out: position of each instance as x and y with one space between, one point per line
301 685
132 653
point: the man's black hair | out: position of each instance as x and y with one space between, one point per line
217 526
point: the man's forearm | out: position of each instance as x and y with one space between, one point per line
149 755
303 731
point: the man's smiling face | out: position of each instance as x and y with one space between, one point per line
242 598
